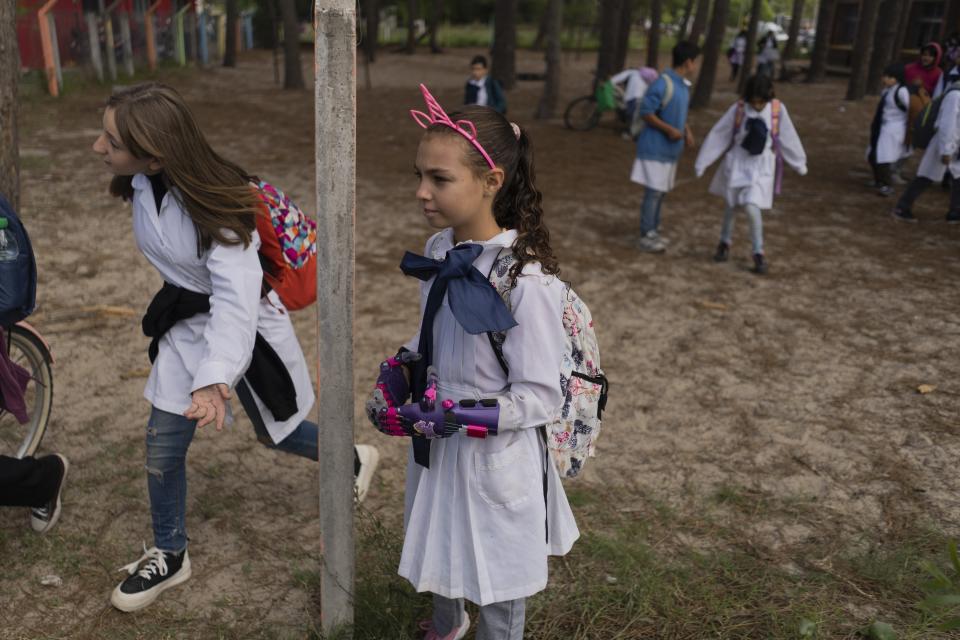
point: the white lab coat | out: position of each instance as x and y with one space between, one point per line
474 521
215 347
893 128
944 142
742 178
636 86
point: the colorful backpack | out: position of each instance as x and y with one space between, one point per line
288 248
571 437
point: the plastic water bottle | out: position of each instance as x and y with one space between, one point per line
9 249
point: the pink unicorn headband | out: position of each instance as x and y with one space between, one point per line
436 115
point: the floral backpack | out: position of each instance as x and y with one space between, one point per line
288 248
572 435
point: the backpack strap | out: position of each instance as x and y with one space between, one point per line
896 98
775 115
668 93
496 338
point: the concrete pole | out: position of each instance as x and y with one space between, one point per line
127 43
93 33
336 122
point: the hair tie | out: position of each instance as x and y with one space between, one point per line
516 129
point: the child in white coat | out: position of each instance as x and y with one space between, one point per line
940 156
213 328
754 137
888 130
482 513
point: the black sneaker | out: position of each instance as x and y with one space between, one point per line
162 570
43 518
723 252
760 264
953 217
904 215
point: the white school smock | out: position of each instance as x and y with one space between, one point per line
944 142
215 347
474 521
893 128
742 178
636 86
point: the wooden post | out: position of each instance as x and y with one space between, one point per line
150 28
124 17
108 39
204 45
180 35
48 43
335 107
93 34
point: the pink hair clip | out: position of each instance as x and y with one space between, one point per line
436 115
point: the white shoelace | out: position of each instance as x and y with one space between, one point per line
157 563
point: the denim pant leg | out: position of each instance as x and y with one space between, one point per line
447 614
650 210
502 620
302 441
756 227
726 227
168 438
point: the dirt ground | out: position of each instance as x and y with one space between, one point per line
801 385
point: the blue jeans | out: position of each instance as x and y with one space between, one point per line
168 438
756 226
650 210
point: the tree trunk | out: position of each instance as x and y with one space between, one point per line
230 55
862 49
902 24
542 29
700 20
821 45
950 19
790 51
711 52
371 10
750 54
884 51
504 66
9 82
685 22
623 35
436 17
551 88
411 26
653 38
292 73
610 11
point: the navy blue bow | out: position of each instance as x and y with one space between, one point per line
474 302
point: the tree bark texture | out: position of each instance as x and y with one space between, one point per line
711 52
751 53
790 51
653 38
884 49
862 49
292 73
504 64
233 13
821 45
551 87
700 20
9 95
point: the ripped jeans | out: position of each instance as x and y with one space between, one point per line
168 438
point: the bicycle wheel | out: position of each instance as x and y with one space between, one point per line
582 114
30 353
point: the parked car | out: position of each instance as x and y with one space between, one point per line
764 28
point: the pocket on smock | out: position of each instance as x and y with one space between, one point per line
505 478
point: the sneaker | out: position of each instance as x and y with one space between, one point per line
457 634
162 570
43 518
723 252
953 217
651 243
760 264
884 191
898 180
904 215
369 457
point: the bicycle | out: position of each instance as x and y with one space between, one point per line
27 348
584 113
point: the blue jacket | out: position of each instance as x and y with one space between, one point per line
495 98
653 144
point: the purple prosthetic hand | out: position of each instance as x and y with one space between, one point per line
392 390
476 418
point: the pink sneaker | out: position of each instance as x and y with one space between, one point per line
457 634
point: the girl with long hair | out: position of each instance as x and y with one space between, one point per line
484 504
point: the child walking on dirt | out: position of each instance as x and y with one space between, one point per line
482 513
213 327
664 108
888 130
754 137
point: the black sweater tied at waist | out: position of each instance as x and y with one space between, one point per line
267 375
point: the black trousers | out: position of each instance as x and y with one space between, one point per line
29 482
919 184
882 174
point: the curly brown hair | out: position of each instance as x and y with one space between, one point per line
519 204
